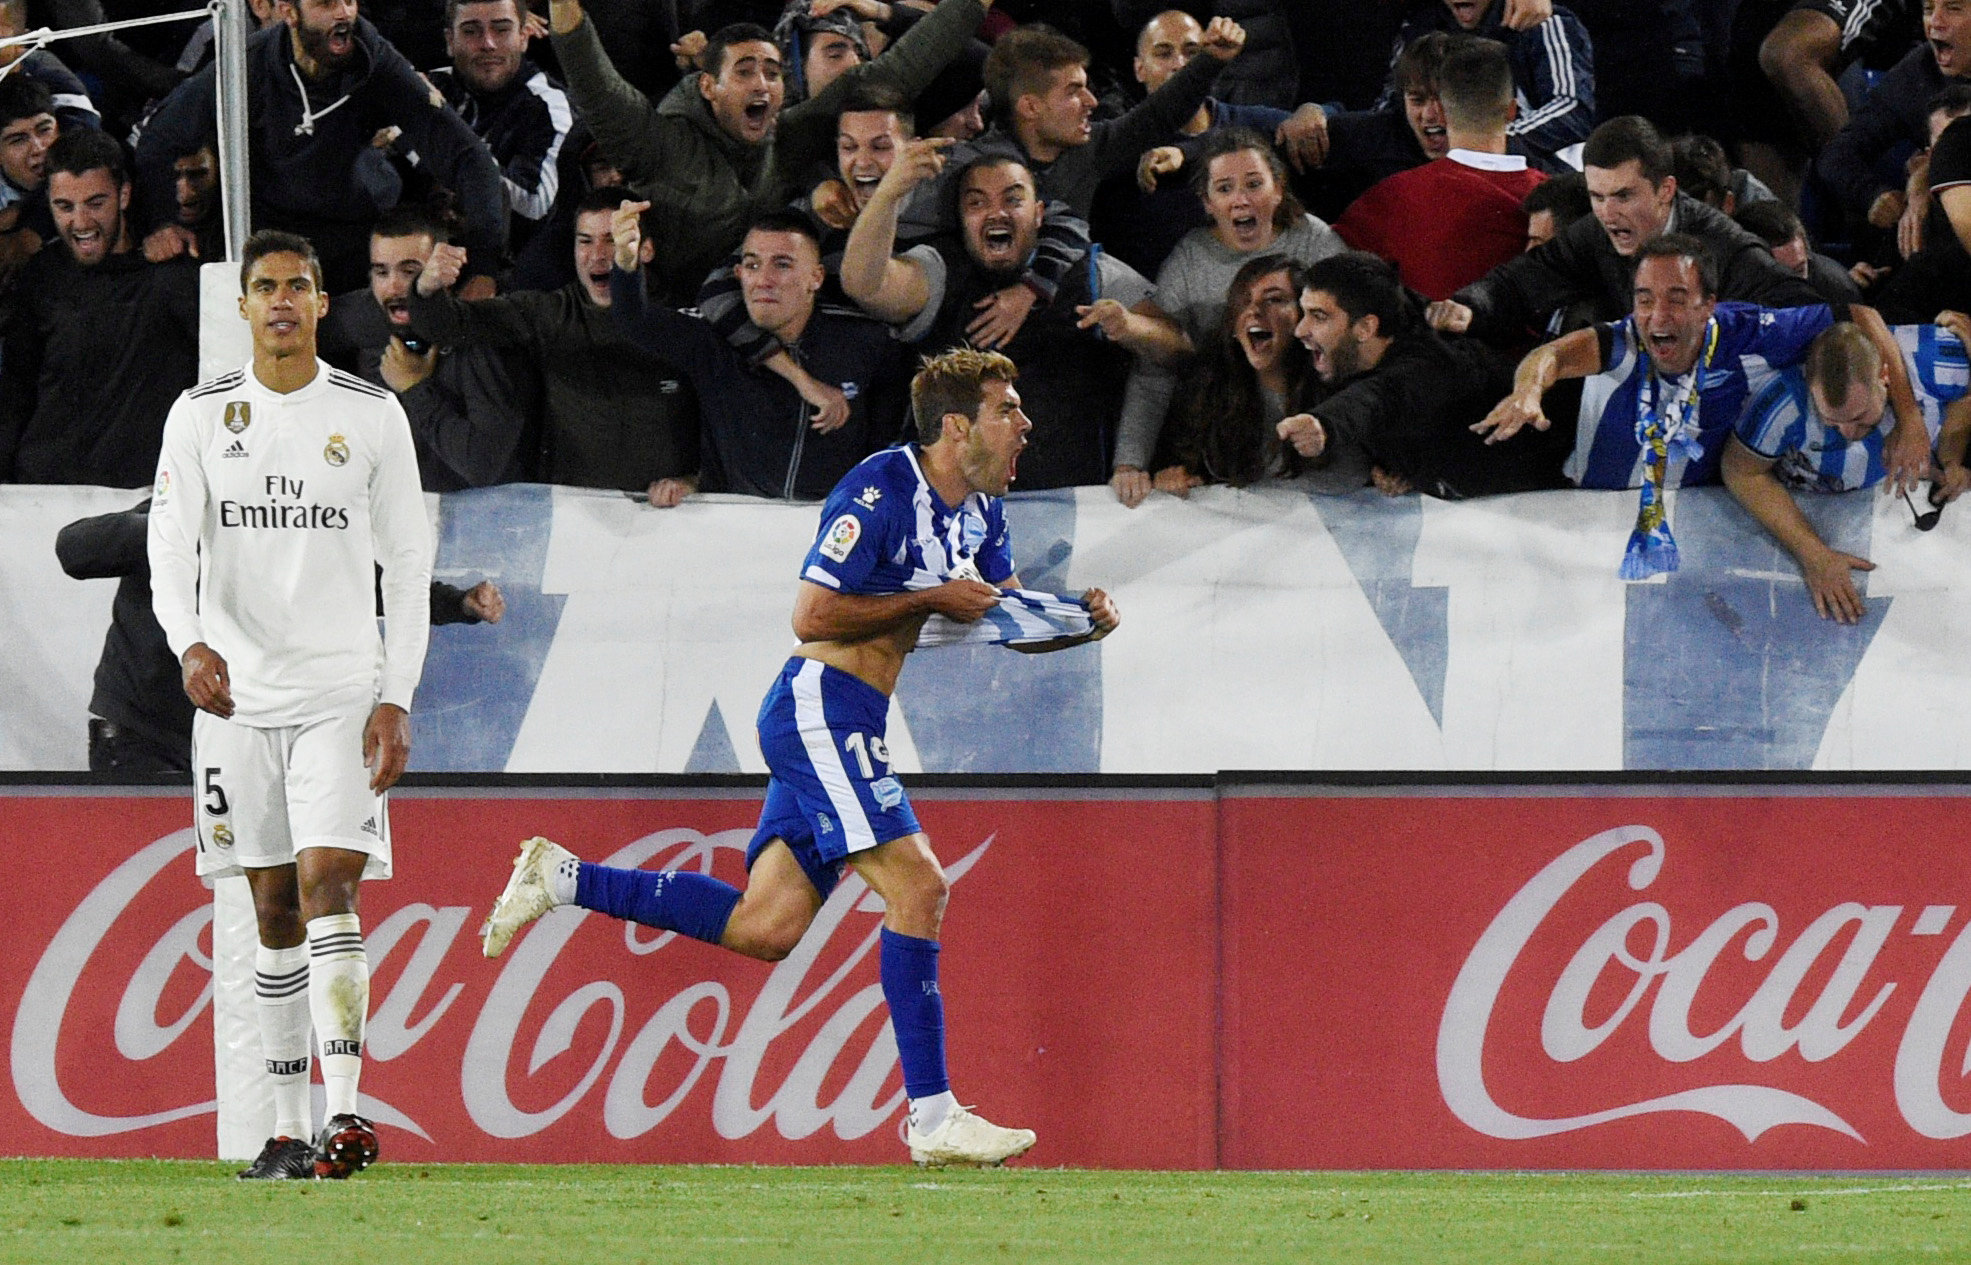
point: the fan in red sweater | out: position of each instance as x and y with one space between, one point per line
1449 222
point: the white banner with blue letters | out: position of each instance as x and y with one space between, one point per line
1264 629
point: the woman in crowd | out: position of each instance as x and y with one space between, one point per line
1243 186
1250 374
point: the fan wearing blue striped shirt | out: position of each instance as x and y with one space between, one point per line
912 550
1822 427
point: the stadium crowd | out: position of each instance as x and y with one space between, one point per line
1449 247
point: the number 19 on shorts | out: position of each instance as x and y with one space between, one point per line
865 748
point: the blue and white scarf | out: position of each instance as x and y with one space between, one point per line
1663 427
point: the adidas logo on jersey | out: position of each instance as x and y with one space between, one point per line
237 449
369 827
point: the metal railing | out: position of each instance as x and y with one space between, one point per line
232 22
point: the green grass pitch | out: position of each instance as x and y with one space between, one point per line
104 1212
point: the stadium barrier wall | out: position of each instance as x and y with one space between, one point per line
1261 630
1173 974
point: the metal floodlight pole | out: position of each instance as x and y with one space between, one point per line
232 21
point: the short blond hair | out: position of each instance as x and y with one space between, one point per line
1842 357
954 382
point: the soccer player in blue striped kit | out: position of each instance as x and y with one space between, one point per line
913 550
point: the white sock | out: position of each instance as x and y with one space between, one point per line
280 993
927 1114
339 997
561 883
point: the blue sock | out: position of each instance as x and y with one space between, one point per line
910 986
692 904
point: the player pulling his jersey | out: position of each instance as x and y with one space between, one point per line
912 534
281 487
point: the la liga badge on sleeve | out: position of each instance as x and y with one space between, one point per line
840 540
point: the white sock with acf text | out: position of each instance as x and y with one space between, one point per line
280 995
339 998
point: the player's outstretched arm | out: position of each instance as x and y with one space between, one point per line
1100 609
822 614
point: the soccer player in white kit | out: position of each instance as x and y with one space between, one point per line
282 486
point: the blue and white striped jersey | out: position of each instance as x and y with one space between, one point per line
884 530
1753 342
1779 421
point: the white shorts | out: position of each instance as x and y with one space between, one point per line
265 794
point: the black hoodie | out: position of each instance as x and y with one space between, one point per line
310 153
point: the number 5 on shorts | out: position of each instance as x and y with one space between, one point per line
215 795
863 748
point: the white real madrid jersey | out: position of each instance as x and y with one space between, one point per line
269 515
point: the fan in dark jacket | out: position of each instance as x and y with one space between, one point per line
719 150
319 89
758 436
1552 67
1895 117
615 416
1402 395
1594 259
101 341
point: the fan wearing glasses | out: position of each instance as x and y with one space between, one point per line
1821 427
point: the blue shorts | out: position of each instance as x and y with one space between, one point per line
832 792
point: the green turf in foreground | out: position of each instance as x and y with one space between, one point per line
104 1212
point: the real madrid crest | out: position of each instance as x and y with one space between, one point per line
337 452
239 415
222 835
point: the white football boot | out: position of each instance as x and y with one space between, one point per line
964 1138
527 894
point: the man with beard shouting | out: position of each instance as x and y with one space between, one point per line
320 84
1073 352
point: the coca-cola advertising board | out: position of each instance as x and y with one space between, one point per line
1069 1010
1712 979
1253 977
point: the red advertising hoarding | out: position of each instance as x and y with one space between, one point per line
1305 977
1069 1010
1684 982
